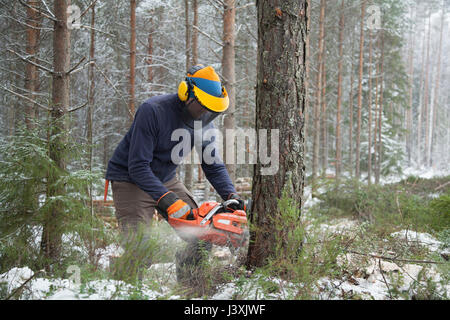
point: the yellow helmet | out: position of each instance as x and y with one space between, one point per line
204 84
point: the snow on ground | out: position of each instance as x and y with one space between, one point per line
372 282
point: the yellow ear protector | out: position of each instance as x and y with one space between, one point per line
212 103
183 90
186 86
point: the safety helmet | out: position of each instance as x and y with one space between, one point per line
203 84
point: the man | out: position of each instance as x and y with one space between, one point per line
143 173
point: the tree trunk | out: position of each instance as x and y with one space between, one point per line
324 116
195 62
350 110
435 107
426 93
338 161
150 54
317 107
380 113
91 101
369 149
53 223
409 129
228 73
131 103
420 106
280 103
361 64
188 167
31 71
195 33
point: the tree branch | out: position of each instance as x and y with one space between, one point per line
76 66
38 11
26 98
208 36
79 107
31 62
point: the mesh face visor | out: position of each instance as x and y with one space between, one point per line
207 109
195 111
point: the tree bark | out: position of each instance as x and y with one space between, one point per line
131 103
188 167
409 129
380 114
350 110
229 77
435 107
31 71
280 103
53 221
338 161
426 94
317 106
369 149
361 64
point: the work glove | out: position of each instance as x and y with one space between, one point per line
173 207
236 206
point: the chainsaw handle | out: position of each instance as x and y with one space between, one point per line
228 202
217 208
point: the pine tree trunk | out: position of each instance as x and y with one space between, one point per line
31 71
380 114
338 161
409 129
53 223
350 110
91 101
188 167
361 64
369 149
324 116
149 59
195 33
195 61
435 107
317 106
229 78
426 94
280 103
131 103
420 106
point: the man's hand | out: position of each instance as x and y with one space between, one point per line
173 207
235 206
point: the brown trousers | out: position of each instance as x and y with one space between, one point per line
134 212
134 206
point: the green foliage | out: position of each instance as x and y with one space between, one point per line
404 204
25 170
298 257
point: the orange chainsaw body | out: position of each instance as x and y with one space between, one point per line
223 228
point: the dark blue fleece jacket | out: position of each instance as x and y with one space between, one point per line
143 156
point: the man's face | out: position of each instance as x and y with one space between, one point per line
196 110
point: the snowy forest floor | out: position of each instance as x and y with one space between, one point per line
350 251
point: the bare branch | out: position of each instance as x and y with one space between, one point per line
48 9
76 66
87 9
26 98
114 87
208 36
79 107
38 11
31 62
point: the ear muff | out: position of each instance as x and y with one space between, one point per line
183 91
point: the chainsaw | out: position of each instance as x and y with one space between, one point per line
216 223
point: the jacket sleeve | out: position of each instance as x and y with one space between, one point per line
214 168
142 143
